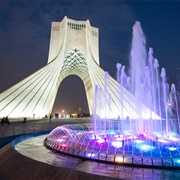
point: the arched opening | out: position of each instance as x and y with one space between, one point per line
71 97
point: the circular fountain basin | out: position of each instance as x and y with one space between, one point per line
138 150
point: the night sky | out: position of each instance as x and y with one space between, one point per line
25 36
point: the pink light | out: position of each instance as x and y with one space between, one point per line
63 145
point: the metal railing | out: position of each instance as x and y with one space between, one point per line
32 127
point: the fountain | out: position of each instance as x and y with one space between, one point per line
153 143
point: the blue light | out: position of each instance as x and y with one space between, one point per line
176 160
145 147
112 132
138 141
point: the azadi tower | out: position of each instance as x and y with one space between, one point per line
74 50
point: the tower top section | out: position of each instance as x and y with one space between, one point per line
76 24
69 34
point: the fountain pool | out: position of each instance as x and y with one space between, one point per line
140 150
29 146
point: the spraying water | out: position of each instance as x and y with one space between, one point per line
141 142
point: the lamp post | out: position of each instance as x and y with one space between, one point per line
62 112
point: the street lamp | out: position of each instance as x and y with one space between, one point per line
63 112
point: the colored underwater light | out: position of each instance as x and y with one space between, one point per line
90 154
163 140
100 141
145 147
172 148
132 137
63 145
119 139
138 141
117 144
174 139
60 140
119 159
112 132
94 137
176 160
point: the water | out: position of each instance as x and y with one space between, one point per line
31 146
135 140
153 106
112 146
150 88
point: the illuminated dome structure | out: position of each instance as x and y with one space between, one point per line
110 146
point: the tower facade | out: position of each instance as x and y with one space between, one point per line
74 50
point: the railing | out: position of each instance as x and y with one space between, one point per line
32 127
11 130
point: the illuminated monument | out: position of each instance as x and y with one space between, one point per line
74 50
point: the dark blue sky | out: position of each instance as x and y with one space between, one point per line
25 34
